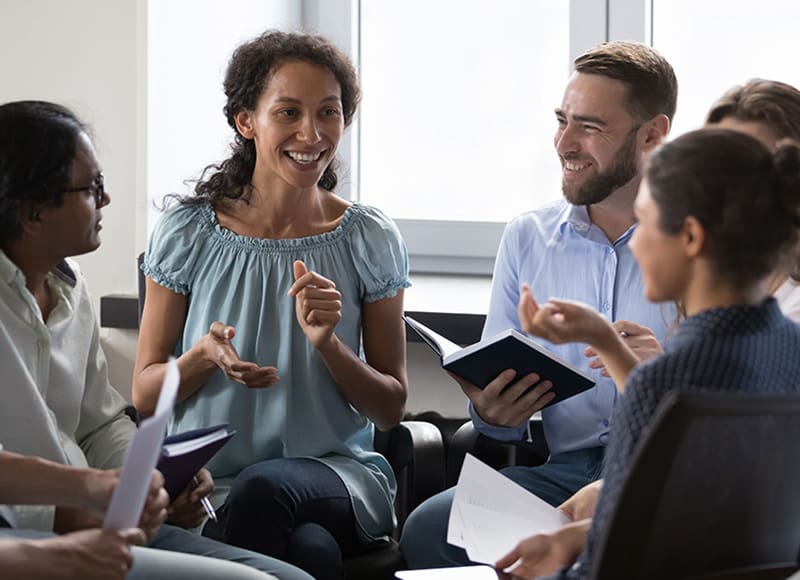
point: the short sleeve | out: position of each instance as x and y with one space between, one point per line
380 254
172 249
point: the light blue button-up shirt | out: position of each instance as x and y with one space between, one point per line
559 253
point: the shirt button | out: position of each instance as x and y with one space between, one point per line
606 306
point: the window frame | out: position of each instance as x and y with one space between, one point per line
454 246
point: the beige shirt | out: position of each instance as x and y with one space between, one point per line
57 401
788 297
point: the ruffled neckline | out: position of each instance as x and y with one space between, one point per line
228 237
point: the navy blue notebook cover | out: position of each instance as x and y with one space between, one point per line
178 469
481 362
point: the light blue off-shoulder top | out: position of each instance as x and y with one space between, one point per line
243 281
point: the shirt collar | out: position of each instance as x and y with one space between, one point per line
10 272
577 217
65 273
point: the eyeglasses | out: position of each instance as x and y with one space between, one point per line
97 188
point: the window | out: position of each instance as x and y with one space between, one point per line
454 136
716 44
189 43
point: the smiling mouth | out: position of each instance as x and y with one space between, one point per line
304 158
573 166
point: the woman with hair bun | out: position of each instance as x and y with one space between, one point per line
718 214
283 303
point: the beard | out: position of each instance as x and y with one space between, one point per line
623 169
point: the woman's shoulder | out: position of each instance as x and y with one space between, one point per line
368 215
182 215
365 223
182 221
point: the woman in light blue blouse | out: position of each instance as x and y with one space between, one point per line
283 304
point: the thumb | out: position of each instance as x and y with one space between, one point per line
508 559
299 269
133 536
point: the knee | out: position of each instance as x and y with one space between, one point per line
428 521
314 549
255 485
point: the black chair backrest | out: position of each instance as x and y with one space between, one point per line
141 285
715 485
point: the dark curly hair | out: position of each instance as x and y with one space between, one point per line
38 142
249 71
746 197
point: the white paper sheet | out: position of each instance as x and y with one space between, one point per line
125 508
460 573
491 513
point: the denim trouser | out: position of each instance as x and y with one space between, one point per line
294 509
424 541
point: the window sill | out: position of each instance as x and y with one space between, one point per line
454 306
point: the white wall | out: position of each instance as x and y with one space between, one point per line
89 55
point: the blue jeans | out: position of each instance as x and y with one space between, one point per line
293 509
424 540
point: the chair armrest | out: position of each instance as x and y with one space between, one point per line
416 453
497 454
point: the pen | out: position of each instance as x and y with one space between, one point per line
205 502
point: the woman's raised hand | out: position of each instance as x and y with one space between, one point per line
561 321
220 350
318 304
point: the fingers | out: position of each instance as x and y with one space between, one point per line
320 306
133 536
251 375
221 331
508 559
223 353
469 389
204 488
299 268
184 512
536 398
508 403
527 308
303 279
630 328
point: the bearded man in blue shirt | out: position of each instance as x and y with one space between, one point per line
617 107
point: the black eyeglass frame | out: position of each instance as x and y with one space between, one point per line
97 187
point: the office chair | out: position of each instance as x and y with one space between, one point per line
497 454
714 493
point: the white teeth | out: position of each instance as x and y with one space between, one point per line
304 157
575 166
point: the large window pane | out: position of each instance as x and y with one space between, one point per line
457 117
715 44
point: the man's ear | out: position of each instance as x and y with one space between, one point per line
657 130
693 235
30 220
244 124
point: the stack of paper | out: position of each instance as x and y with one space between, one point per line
491 513
127 503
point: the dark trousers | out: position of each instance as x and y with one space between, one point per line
297 510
